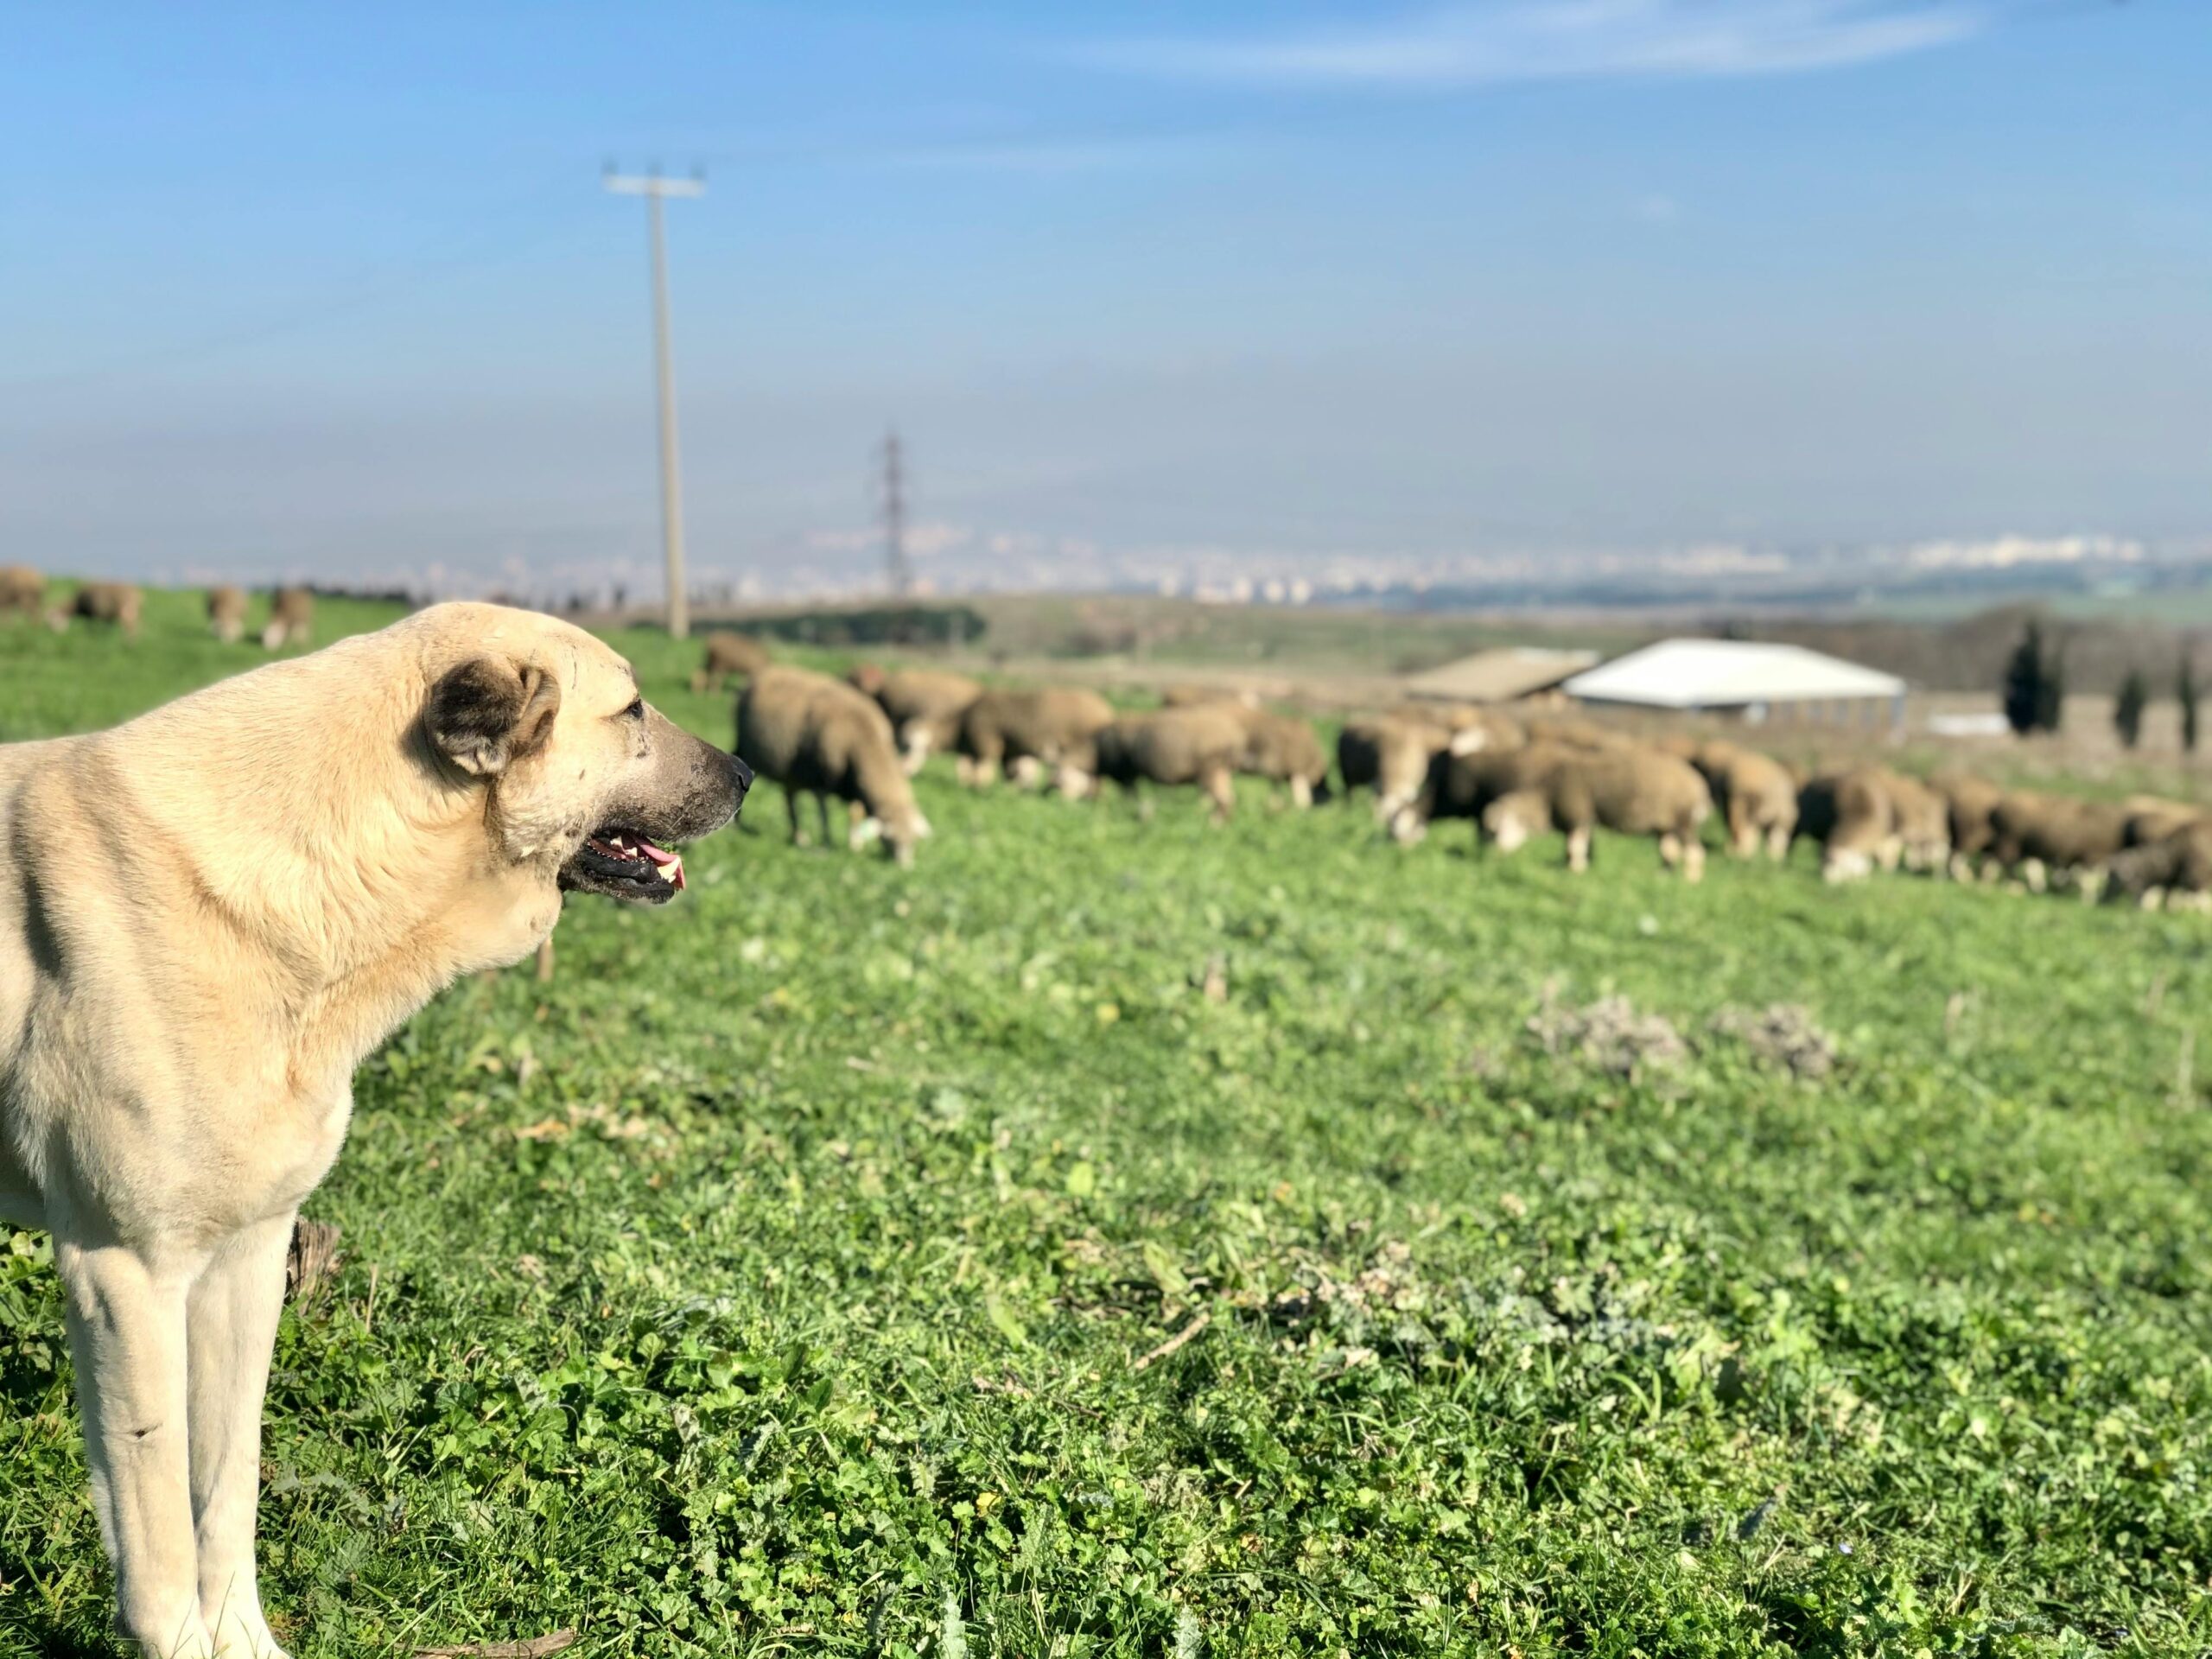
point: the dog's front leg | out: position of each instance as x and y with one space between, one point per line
127 1335
233 1326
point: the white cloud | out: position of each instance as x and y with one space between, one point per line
1552 40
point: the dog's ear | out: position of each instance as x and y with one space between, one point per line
489 712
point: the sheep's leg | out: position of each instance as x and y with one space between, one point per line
915 749
1221 791
1577 848
1670 850
1301 792
1777 841
1692 860
822 808
791 810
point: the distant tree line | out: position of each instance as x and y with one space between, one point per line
2034 691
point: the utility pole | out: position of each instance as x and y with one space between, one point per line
894 516
655 189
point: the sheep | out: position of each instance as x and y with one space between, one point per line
2153 818
291 620
226 608
1852 816
1052 730
23 591
1756 797
816 735
118 602
1191 694
1472 725
2157 871
1390 754
1284 749
1971 803
2039 835
867 677
1633 792
1567 731
1465 785
924 707
1197 744
729 656
1923 820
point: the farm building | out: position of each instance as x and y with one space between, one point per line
1499 676
1756 682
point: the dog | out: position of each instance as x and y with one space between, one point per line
208 916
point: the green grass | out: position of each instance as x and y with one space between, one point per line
777 1279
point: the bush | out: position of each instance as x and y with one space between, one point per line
2185 693
2127 709
2035 685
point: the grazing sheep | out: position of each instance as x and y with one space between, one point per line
2039 835
1188 694
1465 785
924 707
1569 733
1756 797
1283 749
1052 730
1923 820
2158 871
868 677
291 620
1197 744
226 608
2153 818
730 656
1852 818
23 591
1389 754
118 602
1632 792
1972 804
817 735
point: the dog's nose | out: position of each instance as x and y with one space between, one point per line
742 776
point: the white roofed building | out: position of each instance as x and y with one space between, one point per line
1740 677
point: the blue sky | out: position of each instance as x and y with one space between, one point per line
335 292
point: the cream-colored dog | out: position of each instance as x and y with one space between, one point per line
208 917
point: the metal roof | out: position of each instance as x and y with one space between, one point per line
1498 676
1728 674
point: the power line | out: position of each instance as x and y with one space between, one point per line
896 566
655 189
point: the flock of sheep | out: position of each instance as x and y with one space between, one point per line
118 604
860 740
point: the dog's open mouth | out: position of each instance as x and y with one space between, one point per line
625 864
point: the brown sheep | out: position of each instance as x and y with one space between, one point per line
1465 785
1200 744
1972 805
1285 750
118 602
2157 871
1854 818
1049 732
1570 732
729 656
1472 725
925 706
291 620
23 591
226 609
868 677
1630 791
1188 694
2153 818
1389 754
817 735
1923 820
2038 836
1756 797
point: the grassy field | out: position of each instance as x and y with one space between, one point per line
1124 1237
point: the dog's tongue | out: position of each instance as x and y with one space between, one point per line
670 865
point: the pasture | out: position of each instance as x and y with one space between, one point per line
1120 1238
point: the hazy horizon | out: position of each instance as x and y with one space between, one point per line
1301 287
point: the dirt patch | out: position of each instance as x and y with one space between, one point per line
1609 1034
1782 1034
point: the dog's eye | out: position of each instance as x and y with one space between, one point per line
635 710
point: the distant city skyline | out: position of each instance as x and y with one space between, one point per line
1305 292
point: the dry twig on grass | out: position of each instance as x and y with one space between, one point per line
1175 1341
536 1647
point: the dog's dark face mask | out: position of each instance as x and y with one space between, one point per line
692 789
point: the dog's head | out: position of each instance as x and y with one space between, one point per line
581 775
